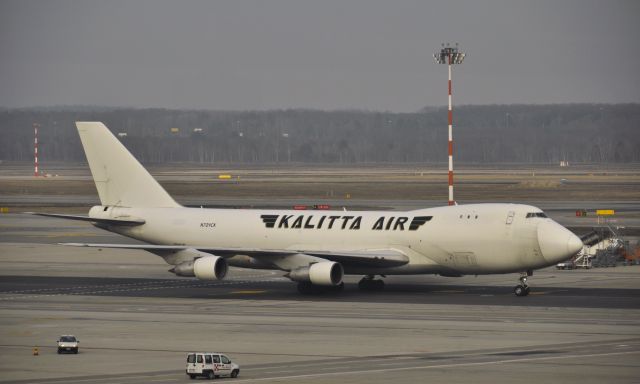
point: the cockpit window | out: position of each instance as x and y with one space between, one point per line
536 214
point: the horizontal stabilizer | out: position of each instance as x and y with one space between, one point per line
131 222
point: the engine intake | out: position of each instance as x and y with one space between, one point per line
204 268
325 273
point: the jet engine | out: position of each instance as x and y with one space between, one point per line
204 268
326 273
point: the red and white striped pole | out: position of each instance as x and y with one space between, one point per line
450 55
451 201
35 149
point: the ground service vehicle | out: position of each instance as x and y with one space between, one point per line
68 343
210 365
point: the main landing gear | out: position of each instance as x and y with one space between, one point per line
522 289
369 283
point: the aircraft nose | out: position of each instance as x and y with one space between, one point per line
556 242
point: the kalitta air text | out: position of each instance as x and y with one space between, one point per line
343 222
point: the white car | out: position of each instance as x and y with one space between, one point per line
210 365
566 265
68 343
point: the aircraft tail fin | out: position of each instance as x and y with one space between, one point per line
120 179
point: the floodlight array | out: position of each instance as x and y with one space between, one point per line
442 57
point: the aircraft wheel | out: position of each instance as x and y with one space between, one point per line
521 290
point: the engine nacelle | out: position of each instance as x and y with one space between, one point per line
204 268
324 273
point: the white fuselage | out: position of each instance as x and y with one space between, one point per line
454 240
315 248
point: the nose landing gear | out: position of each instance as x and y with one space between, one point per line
523 289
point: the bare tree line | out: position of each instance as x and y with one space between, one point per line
583 133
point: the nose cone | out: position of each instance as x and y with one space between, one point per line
556 242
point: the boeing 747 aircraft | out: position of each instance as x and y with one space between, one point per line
315 248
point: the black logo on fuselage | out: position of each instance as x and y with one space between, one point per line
269 220
383 223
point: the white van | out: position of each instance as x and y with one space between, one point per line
210 365
68 343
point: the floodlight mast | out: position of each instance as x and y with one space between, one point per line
450 55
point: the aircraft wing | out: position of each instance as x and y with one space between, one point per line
132 222
366 257
381 258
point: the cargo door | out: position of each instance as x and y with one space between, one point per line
208 363
509 224
510 217
217 365
195 363
191 361
199 363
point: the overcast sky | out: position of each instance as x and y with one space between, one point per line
327 54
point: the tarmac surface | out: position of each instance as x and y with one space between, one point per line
136 322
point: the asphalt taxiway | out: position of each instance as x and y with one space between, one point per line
136 321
